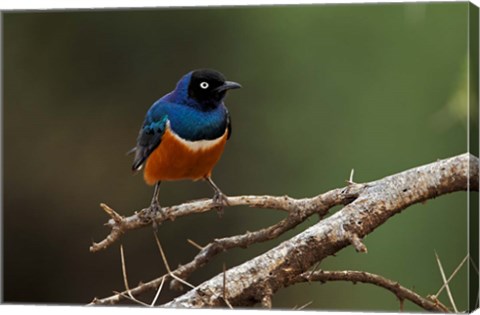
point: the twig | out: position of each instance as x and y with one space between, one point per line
400 292
115 216
445 283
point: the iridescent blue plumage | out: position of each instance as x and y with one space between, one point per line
190 123
190 116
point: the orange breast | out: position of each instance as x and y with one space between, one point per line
176 159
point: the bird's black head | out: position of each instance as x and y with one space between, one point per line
209 86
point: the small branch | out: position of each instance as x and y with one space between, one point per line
400 292
119 225
357 243
115 216
267 301
267 297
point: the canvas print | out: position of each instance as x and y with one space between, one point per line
296 157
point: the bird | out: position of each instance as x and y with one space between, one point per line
184 134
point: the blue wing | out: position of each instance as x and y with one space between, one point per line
187 122
149 138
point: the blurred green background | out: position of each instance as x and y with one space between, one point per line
326 88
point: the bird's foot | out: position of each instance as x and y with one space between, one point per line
220 200
152 212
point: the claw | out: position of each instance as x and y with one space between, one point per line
152 212
220 200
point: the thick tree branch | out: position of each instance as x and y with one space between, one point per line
400 292
376 203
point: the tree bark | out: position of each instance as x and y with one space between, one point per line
375 203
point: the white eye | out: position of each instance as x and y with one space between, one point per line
204 85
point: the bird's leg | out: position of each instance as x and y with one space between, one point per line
154 207
219 198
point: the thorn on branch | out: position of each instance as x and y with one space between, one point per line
452 275
445 282
304 305
194 244
350 180
125 281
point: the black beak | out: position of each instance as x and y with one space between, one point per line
228 85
